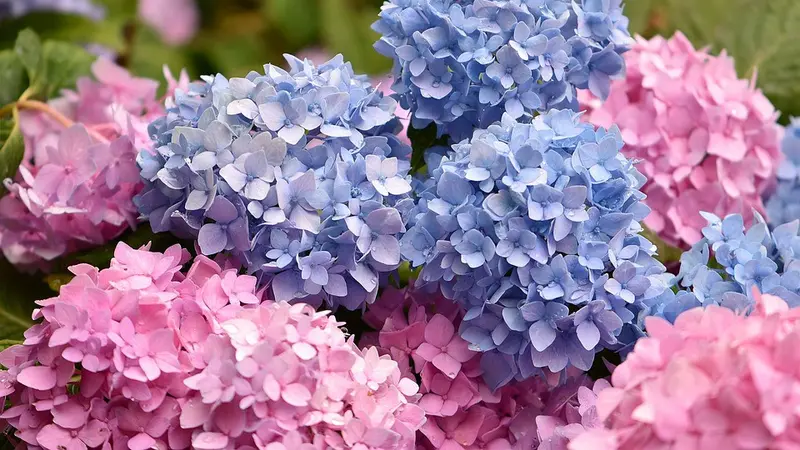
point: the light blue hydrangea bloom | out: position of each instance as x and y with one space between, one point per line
783 204
19 8
463 63
730 261
534 229
299 174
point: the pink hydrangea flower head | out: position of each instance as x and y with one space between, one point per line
176 21
142 355
462 411
76 185
715 379
707 140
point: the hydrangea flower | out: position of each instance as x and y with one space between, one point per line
142 355
462 64
707 140
176 21
461 407
533 230
731 260
714 379
783 204
299 174
75 186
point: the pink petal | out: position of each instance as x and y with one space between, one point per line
209 441
427 351
296 394
447 364
41 378
141 441
439 331
52 437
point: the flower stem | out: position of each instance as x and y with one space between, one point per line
42 107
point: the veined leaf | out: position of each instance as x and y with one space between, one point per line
62 65
12 148
28 48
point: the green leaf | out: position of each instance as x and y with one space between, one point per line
666 253
5 343
761 36
13 80
63 64
12 148
18 292
29 50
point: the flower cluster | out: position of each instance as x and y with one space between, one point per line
742 260
418 330
715 379
783 205
462 64
141 356
76 184
533 229
176 21
299 174
708 141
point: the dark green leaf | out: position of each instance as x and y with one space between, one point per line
346 30
12 148
18 292
63 64
28 48
13 80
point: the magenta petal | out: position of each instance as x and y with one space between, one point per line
439 331
41 378
447 364
141 441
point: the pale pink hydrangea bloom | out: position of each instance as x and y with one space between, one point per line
462 411
176 21
707 140
714 380
75 186
141 355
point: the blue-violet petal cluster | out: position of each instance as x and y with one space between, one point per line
784 203
730 260
299 174
463 63
534 230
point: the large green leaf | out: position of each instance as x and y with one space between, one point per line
17 295
13 80
762 36
62 64
28 48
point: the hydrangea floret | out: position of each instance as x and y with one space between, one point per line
714 379
463 407
463 63
76 184
141 355
299 174
707 140
534 230
783 204
731 260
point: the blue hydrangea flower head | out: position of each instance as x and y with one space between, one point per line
463 63
731 260
535 226
783 204
298 174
